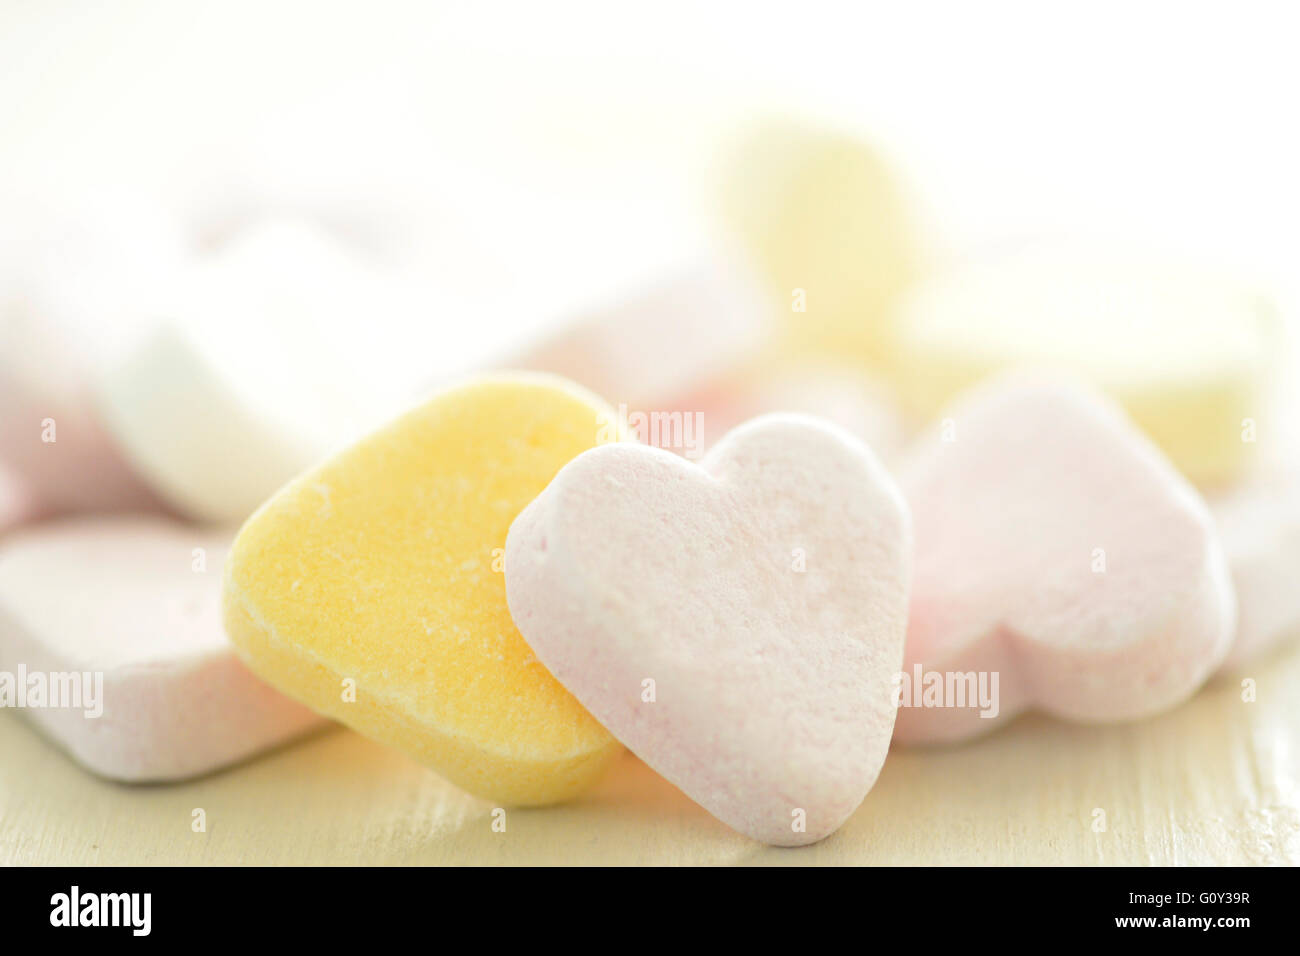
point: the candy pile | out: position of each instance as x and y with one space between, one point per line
753 503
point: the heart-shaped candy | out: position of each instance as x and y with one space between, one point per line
111 642
1061 562
1186 351
370 588
736 623
1259 522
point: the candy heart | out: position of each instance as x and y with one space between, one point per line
735 623
75 281
1184 350
125 613
1061 562
658 336
369 588
240 386
1259 523
825 219
62 456
640 304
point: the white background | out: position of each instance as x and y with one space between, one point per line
1176 122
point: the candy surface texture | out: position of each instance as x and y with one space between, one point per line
371 589
1059 552
135 604
737 623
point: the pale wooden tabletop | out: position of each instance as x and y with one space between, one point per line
1215 781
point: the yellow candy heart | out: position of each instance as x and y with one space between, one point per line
371 588
1186 350
827 223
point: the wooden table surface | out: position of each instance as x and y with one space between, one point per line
1216 781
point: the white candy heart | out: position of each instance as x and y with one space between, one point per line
1060 554
120 617
736 623
1259 522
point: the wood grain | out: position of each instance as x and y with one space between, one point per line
1216 781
